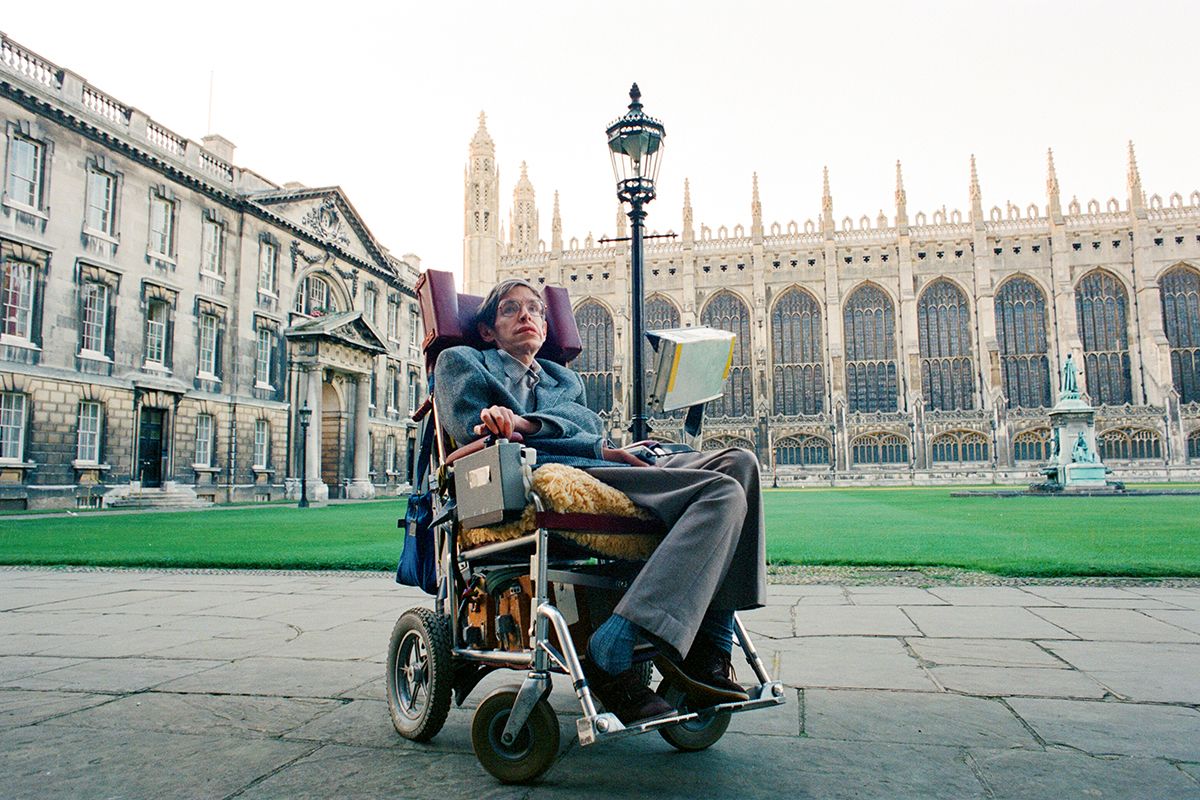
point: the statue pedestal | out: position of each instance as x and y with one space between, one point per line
1075 461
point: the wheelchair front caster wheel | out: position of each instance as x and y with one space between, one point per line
696 734
532 751
419 674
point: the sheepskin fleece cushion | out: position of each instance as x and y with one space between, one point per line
569 490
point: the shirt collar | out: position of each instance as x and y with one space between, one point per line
515 370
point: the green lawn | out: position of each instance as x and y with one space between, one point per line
883 527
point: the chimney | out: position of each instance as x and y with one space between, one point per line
219 146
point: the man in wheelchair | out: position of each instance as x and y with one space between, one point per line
712 560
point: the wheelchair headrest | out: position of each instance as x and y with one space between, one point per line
449 319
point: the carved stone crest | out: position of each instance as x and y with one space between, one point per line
326 221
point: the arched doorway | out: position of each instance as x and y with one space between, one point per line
333 441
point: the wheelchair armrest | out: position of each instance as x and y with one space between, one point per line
476 446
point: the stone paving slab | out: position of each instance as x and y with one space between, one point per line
989 622
1020 776
1000 681
1131 729
909 718
277 677
1114 625
116 675
20 708
989 596
983 653
845 662
50 761
854 621
1153 672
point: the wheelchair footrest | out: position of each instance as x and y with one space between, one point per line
604 727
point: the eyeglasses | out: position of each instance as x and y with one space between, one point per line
511 308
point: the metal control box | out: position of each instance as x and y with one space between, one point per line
490 485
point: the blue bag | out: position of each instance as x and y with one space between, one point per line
418 561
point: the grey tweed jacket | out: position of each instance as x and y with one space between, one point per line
466 380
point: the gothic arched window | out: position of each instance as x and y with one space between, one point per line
1100 306
957 447
879 448
722 442
727 312
869 321
944 333
1021 330
1180 289
1129 444
1193 446
659 314
798 374
1032 445
802 451
595 363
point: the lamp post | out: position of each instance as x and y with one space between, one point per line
305 413
635 143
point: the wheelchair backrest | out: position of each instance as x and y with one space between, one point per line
449 320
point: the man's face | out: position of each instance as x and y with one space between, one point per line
518 331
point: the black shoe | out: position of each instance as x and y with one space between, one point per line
625 695
703 675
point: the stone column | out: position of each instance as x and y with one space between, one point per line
318 492
360 487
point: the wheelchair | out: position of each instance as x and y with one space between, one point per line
526 593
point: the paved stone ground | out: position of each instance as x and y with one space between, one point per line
159 684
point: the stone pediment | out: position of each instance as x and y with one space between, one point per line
328 215
345 327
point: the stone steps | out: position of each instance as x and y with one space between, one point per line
158 499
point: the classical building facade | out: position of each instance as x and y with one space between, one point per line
165 314
918 349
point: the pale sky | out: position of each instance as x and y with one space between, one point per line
382 99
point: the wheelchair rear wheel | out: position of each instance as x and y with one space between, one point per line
697 734
531 752
419 674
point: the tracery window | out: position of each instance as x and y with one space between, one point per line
1180 290
1021 330
957 447
798 372
869 321
723 442
1193 445
1129 444
595 363
1100 307
944 333
727 312
802 451
879 448
659 314
1032 445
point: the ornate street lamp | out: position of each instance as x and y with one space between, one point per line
305 413
635 142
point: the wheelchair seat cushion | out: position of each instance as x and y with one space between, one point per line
568 490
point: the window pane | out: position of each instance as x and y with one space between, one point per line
210 256
266 267
156 332
98 215
261 435
161 226
799 381
262 367
12 425
17 299
1100 305
594 364
869 324
943 331
1180 290
204 434
95 308
727 312
208 344
24 177
88 439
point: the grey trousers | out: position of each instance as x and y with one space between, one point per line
714 554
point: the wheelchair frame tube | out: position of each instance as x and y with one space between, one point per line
548 613
756 663
541 593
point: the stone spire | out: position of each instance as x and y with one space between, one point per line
481 212
1052 196
826 203
976 195
556 228
689 233
901 199
1137 198
756 223
524 218
622 221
